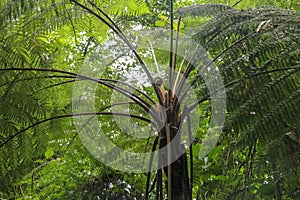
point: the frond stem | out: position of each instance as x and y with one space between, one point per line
74 115
118 31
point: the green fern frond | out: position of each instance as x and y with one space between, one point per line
258 57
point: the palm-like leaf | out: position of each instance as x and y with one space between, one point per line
257 52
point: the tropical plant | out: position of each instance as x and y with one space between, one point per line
257 55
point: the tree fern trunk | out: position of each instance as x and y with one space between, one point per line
180 189
180 180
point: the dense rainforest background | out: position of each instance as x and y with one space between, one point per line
44 44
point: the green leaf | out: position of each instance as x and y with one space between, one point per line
222 178
39 161
160 23
49 153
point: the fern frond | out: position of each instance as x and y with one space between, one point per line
257 54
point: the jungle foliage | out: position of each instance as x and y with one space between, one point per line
43 45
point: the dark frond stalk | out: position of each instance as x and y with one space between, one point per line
116 58
153 184
101 110
53 85
171 69
237 3
41 89
185 182
132 87
118 31
38 77
175 59
191 149
172 94
194 105
191 66
141 102
181 84
70 142
76 134
176 45
74 115
69 17
155 143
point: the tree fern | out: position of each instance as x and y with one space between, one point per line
256 52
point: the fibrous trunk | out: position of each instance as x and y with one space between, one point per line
179 180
